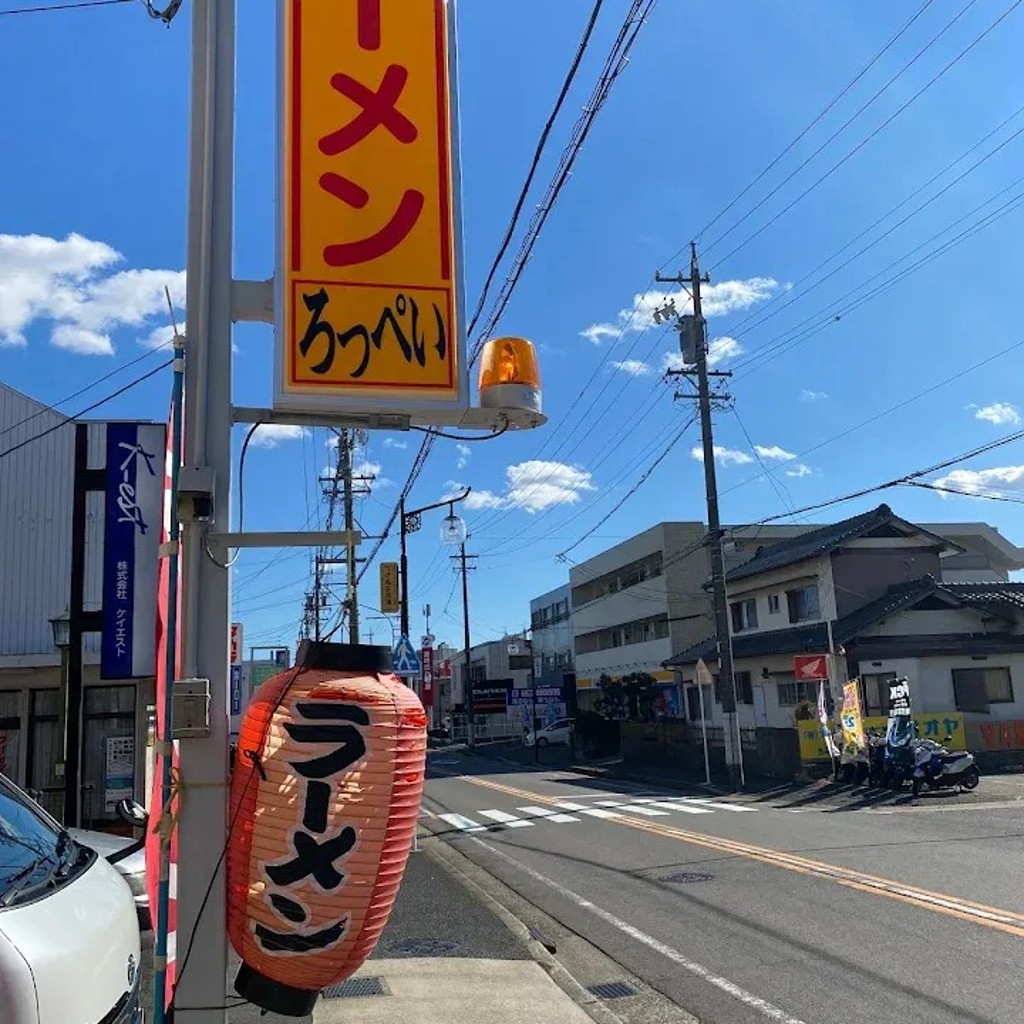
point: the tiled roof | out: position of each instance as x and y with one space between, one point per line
814 637
820 541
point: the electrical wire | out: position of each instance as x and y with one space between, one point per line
945 489
83 412
873 134
72 6
835 99
535 163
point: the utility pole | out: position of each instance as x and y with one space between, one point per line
345 442
467 646
694 345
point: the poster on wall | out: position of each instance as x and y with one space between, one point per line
131 537
119 774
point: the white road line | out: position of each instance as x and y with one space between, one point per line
547 814
648 812
685 808
462 822
718 805
568 805
600 812
507 819
766 1009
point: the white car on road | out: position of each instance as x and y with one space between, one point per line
555 734
69 935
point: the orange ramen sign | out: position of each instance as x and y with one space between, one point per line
370 303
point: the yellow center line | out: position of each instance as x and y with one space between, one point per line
967 910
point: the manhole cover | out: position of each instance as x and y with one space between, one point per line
612 990
356 988
423 947
687 877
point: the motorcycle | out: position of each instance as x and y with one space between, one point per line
939 768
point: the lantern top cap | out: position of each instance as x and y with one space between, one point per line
318 654
509 361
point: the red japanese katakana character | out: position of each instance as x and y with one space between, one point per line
392 234
377 108
368 15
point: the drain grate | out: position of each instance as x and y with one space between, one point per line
612 990
356 988
422 947
687 877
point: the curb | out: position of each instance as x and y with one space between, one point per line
599 773
589 1003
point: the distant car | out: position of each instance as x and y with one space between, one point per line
131 868
556 734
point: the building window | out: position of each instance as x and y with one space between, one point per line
803 603
791 694
773 604
976 688
744 615
744 688
874 693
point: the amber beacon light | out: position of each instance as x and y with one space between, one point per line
325 797
509 377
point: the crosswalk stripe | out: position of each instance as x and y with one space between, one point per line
685 808
463 823
568 805
600 812
714 803
632 808
547 813
507 819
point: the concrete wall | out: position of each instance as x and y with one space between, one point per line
862 574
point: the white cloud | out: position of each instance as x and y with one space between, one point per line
812 396
1000 413
773 452
799 470
67 283
362 466
270 435
634 367
532 486
982 481
464 453
81 340
716 300
723 456
393 442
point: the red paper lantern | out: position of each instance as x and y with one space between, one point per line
325 798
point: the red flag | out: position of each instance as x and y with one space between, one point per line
156 810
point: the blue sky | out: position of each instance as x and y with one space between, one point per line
93 226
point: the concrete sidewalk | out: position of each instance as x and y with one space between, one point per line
445 958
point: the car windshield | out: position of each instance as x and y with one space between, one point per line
26 839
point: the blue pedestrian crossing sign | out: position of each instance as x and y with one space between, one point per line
404 659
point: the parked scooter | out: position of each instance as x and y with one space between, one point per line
938 768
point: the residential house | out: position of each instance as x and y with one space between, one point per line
870 592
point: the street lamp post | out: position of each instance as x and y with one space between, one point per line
61 626
453 532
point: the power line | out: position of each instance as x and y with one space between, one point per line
629 494
535 163
85 411
908 478
81 391
835 99
876 131
79 5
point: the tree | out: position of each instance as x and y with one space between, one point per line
630 697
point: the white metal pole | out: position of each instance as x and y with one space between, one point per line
201 979
704 733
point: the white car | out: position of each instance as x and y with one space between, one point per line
555 734
69 935
131 867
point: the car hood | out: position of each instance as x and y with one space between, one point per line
104 843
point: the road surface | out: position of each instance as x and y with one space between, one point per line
743 910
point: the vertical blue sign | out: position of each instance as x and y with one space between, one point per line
236 689
131 532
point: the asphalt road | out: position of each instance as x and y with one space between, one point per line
770 908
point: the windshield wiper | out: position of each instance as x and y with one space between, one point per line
65 847
16 883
